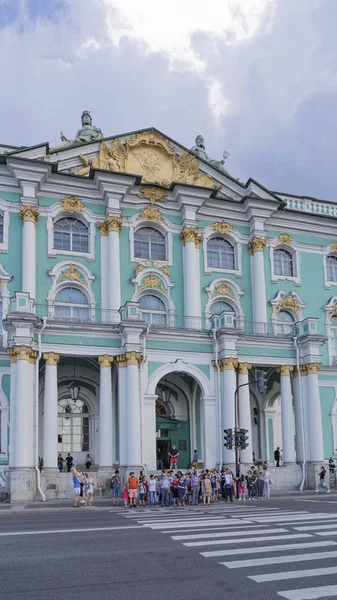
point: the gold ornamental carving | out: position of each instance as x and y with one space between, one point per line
333 311
105 360
244 368
150 213
166 270
12 355
72 204
150 155
133 358
285 370
222 227
103 228
114 223
257 244
153 194
152 281
285 239
51 358
72 274
121 360
191 234
303 370
139 268
288 302
334 247
228 364
313 368
28 212
223 290
33 357
22 353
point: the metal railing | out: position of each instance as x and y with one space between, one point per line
91 316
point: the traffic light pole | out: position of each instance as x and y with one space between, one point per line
236 426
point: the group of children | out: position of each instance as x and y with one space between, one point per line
192 487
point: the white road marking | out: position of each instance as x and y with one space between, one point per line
192 524
276 560
293 574
242 531
316 527
235 540
215 528
276 548
82 530
327 532
282 519
325 591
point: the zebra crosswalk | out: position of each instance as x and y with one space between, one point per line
283 549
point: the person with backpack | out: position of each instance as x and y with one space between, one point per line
115 488
321 481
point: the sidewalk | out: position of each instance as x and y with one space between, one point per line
105 504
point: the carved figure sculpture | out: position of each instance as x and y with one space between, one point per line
87 133
199 150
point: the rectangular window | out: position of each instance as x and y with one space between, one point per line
182 446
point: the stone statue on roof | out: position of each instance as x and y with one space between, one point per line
199 150
87 133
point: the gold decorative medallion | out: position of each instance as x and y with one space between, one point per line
222 227
223 290
191 234
288 302
285 239
152 281
257 244
72 274
105 360
51 358
285 370
28 212
72 204
150 213
153 194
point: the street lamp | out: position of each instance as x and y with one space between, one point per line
74 390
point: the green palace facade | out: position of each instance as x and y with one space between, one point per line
140 285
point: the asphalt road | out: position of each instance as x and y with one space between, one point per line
263 549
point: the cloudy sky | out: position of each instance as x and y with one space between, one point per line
257 78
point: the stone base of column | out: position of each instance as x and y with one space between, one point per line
50 483
22 484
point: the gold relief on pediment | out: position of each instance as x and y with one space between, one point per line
151 156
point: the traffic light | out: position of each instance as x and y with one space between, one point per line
244 438
238 439
261 381
229 438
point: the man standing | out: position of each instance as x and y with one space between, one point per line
133 489
277 456
173 455
165 487
69 461
228 487
77 486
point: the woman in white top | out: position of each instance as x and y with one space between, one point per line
88 488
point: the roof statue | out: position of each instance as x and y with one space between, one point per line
199 150
87 133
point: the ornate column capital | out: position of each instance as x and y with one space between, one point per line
29 212
257 244
133 358
33 357
244 368
51 358
114 223
191 234
228 364
285 370
22 353
303 370
103 228
105 360
313 368
12 355
121 360
295 372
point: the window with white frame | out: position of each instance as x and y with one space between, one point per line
153 309
71 234
73 426
220 254
71 304
283 262
331 267
285 322
149 243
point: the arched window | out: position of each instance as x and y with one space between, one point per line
72 304
73 426
153 309
71 234
331 268
285 322
1 228
220 306
220 254
283 262
149 243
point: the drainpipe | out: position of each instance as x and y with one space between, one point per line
301 411
38 474
141 398
218 384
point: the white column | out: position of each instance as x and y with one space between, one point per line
133 425
244 410
114 225
256 247
190 237
314 414
287 415
122 440
298 415
209 428
50 418
12 405
24 417
104 270
29 215
228 386
149 430
105 435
